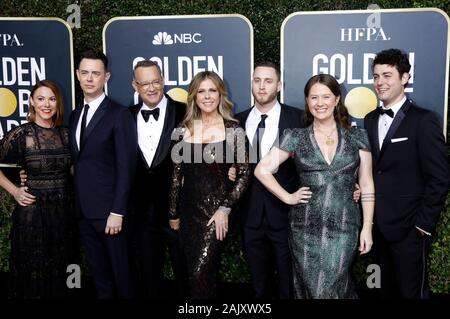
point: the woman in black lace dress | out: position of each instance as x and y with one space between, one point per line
209 141
43 232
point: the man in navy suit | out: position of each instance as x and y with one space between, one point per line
155 118
411 178
265 217
104 149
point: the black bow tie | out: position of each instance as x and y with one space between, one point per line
146 114
388 112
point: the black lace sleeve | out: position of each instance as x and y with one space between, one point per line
177 172
11 147
236 135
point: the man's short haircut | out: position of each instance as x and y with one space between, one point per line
272 65
94 55
147 64
393 57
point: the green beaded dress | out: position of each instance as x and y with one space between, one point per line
323 234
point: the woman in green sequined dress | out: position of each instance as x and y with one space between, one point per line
325 221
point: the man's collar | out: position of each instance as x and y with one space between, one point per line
95 103
274 111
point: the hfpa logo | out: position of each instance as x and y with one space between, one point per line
163 38
373 31
10 40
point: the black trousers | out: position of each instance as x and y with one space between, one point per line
107 258
150 241
404 266
267 252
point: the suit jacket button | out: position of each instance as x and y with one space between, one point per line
379 172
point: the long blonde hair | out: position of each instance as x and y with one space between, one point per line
193 112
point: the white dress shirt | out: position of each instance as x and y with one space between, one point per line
271 130
149 133
93 106
385 121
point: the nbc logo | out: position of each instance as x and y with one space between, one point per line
162 38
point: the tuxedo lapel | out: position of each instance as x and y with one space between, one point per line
165 140
73 129
399 117
374 132
135 112
242 118
283 124
98 115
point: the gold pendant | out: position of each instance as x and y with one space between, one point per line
329 141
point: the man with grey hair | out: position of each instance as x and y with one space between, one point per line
156 116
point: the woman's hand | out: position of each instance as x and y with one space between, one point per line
220 219
232 174
174 224
365 239
301 196
22 196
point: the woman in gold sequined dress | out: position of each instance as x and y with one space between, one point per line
209 141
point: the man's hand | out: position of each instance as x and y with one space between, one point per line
174 224
365 239
22 196
113 224
232 174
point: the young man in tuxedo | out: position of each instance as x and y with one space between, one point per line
103 146
265 217
155 118
411 178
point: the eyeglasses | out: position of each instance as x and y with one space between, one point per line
156 84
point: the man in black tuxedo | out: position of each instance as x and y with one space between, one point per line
155 118
411 178
104 146
265 217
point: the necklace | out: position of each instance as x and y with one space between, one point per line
329 140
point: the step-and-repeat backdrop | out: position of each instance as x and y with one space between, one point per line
32 49
344 44
182 46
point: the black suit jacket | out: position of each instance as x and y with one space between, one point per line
151 192
411 175
104 167
258 199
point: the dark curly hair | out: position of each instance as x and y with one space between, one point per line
393 57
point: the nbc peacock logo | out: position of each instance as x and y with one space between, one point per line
162 38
